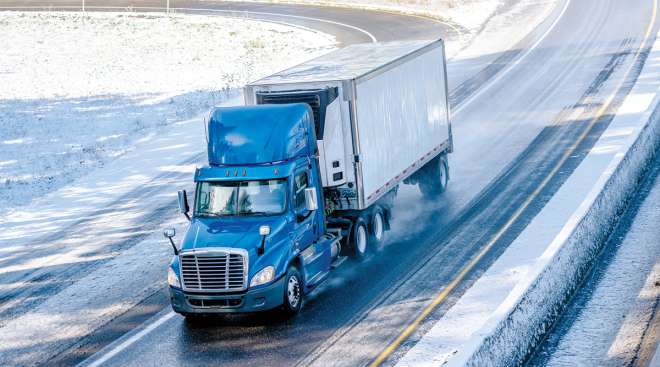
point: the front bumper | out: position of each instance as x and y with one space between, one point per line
260 299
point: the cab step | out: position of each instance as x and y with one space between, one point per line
338 261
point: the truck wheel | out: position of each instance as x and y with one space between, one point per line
293 292
377 226
435 179
360 239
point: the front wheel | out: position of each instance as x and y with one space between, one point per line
293 294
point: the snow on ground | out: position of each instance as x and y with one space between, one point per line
77 91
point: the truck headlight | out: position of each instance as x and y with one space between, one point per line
172 279
264 276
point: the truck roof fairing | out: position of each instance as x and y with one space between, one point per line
263 134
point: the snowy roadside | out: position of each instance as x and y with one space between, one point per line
76 93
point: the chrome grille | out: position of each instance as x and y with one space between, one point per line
214 271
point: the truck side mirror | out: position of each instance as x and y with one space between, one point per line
183 203
169 234
263 232
311 203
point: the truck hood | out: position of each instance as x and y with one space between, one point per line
236 232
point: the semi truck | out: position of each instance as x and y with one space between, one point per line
304 175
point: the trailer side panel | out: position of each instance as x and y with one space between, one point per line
401 121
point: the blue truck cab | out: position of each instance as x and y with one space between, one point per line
256 239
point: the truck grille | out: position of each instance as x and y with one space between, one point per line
214 271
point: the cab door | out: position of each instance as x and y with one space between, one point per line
305 232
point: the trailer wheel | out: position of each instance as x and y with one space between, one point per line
293 292
360 239
436 177
377 226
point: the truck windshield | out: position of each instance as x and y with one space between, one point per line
263 197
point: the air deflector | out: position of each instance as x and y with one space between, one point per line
317 99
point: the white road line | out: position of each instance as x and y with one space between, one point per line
509 67
320 20
112 350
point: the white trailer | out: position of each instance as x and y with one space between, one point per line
381 115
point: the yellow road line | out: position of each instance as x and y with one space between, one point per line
461 275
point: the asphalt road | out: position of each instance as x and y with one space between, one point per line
521 127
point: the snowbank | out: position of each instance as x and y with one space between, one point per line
500 318
76 92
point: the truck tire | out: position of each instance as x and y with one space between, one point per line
360 239
377 232
435 178
293 292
